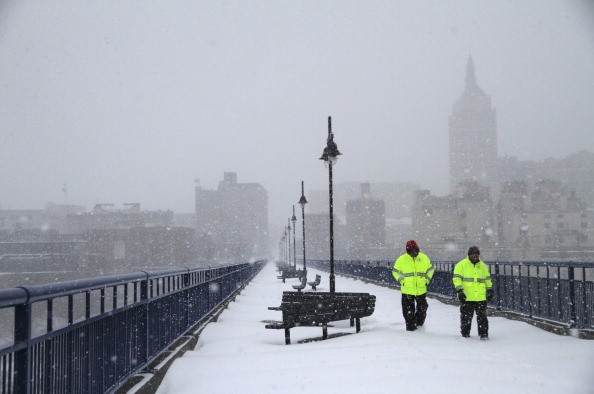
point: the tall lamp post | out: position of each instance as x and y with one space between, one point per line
330 156
302 202
293 219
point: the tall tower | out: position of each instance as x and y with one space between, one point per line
473 137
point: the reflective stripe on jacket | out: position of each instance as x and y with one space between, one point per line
474 279
413 273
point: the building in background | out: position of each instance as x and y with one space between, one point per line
67 242
139 248
547 222
398 199
365 226
445 226
473 137
106 216
317 238
575 171
511 209
232 221
51 219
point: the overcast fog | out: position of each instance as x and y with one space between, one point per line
131 101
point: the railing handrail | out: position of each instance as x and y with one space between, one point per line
557 291
488 262
36 293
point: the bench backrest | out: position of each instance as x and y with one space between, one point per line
293 273
324 307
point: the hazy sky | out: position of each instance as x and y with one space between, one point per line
130 101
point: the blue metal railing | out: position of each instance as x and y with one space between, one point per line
90 335
556 291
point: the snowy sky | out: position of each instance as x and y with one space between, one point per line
130 101
237 354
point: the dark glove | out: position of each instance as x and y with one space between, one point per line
461 295
490 294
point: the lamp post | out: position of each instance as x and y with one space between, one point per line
293 219
330 156
302 202
289 241
285 245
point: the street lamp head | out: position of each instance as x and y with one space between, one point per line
331 152
302 200
293 218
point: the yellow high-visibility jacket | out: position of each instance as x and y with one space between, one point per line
474 279
413 273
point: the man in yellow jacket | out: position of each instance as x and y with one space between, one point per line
474 288
413 272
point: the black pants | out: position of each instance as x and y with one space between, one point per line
414 310
467 310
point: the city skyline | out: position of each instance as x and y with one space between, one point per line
119 103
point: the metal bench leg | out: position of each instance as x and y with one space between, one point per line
287 337
325 331
358 324
352 321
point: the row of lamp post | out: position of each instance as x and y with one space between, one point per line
287 233
330 156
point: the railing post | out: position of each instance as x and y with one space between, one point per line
144 296
559 297
549 294
22 360
188 304
572 313
584 308
70 362
498 285
529 281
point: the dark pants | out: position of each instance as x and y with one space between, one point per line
467 310
414 310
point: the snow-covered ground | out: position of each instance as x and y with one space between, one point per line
238 355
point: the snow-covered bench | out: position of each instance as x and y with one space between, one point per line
320 308
291 272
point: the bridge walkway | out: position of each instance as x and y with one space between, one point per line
237 354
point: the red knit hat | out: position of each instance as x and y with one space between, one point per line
410 245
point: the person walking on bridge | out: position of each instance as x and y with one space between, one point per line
472 281
413 272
